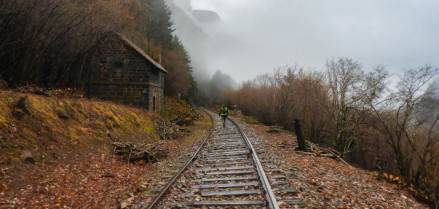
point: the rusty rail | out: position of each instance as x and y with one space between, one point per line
271 199
175 177
269 195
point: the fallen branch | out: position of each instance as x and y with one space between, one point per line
334 154
135 152
129 157
327 152
167 130
341 159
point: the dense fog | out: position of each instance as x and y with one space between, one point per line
244 38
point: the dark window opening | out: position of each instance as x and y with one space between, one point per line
153 103
118 64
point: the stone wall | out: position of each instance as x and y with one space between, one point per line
120 74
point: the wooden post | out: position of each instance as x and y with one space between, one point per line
300 136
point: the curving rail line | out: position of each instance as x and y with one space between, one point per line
271 199
224 172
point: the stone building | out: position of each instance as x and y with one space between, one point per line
124 73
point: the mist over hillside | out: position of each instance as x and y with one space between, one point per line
198 31
429 109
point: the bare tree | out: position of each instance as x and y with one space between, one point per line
343 74
49 40
349 88
285 107
396 119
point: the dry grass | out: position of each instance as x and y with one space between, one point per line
42 125
69 140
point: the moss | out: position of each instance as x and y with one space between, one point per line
81 110
3 122
72 136
74 111
109 126
112 118
3 105
97 124
61 113
80 117
33 104
90 122
95 110
9 99
124 127
51 116
113 121
147 127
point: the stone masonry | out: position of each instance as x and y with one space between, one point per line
123 73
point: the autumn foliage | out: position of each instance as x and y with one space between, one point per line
45 41
51 42
353 111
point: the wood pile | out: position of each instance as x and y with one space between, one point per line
172 130
186 119
136 152
167 130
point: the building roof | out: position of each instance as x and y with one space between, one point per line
141 52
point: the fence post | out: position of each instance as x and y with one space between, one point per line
300 136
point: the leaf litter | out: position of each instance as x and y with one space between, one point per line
325 182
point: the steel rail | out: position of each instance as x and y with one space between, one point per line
177 175
271 199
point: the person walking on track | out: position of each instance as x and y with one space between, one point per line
223 112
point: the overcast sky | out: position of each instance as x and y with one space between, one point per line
256 36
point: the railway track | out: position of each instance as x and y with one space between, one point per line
225 172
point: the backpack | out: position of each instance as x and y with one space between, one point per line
224 111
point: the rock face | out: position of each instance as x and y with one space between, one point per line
201 32
206 16
187 21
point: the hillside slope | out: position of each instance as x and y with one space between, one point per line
57 152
